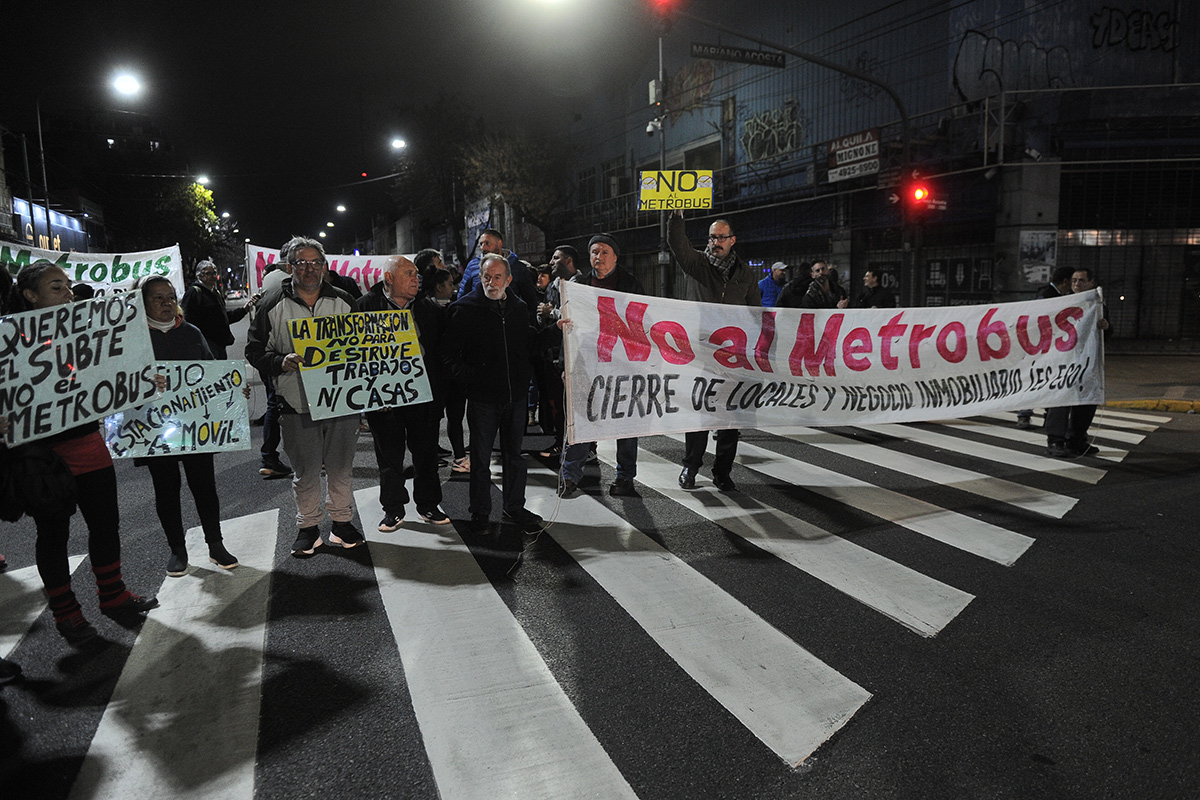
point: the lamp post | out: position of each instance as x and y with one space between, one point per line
123 83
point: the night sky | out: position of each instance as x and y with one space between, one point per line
281 104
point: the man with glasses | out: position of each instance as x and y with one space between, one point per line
204 306
309 444
718 275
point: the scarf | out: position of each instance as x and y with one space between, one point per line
724 265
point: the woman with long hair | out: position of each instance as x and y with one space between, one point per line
43 284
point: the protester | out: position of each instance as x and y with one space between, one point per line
1059 285
606 274
874 295
771 286
309 444
1067 426
823 290
204 307
176 340
448 396
553 393
39 285
271 465
793 292
719 276
486 347
414 426
492 241
82 291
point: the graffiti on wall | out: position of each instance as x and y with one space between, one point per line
985 66
858 91
688 88
1137 29
773 133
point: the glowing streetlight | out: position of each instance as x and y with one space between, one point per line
126 83
224 215
399 144
341 208
328 224
202 180
321 234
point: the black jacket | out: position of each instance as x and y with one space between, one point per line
430 319
184 342
205 309
486 347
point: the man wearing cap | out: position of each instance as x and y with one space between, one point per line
602 253
718 275
772 285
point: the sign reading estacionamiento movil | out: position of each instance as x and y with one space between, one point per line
671 190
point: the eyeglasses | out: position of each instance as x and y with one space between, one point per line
305 264
719 237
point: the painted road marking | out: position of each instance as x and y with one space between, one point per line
22 601
494 721
187 701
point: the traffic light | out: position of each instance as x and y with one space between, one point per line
665 10
921 197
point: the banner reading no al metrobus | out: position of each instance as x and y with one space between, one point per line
640 365
105 272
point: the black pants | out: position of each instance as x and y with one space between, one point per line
198 467
695 443
393 430
97 500
1068 425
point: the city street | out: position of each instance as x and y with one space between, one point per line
932 610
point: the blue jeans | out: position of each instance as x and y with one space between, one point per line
484 420
576 455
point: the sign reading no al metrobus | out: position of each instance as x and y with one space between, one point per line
640 365
105 272
73 363
671 190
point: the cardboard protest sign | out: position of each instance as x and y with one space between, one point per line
360 362
73 363
105 272
366 271
203 410
640 365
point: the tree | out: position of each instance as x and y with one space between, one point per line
525 172
182 212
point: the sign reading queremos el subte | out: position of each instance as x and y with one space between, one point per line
672 190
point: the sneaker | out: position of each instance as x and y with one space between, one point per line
567 489
345 534
390 522
307 540
526 520
132 604
177 565
553 452
76 631
623 487
218 555
591 456
1024 422
434 515
9 671
274 468
461 464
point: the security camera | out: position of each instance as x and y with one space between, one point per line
653 127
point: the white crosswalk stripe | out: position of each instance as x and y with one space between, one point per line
21 602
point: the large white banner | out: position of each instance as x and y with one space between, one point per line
366 271
202 410
640 365
105 272
74 363
360 362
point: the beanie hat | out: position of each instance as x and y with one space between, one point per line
604 238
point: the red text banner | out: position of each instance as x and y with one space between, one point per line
640 365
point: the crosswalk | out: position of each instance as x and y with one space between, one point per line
495 718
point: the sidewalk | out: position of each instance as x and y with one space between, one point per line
1152 382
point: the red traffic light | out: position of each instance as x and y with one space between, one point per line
919 194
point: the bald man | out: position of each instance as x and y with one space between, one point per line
414 426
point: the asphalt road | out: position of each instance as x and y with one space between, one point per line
931 610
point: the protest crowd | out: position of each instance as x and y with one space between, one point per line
487 346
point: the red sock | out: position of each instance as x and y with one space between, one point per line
63 604
110 585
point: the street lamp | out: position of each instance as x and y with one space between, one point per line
202 180
124 83
399 144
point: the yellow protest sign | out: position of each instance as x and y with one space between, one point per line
669 190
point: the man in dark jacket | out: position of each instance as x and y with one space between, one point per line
605 274
1060 284
486 347
719 276
874 295
204 306
411 425
823 291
